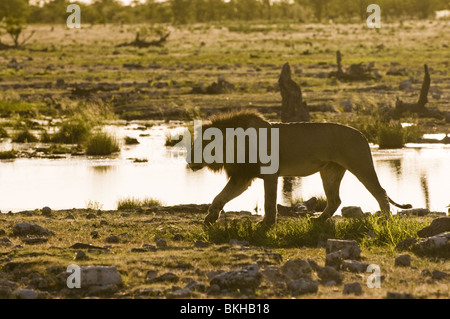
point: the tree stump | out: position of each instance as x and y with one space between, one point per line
419 107
293 109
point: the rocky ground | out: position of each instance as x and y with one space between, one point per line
166 253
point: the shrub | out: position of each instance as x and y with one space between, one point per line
8 154
74 131
132 203
101 143
3 133
25 137
391 135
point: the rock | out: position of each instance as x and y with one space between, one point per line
105 278
437 226
213 289
113 239
34 240
405 244
161 243
25 229
94 234
6 288
149 247
354 266
303 286
352 288
403 260
347 106
91 216
167 277
70 216
327 274
246 278
314 265
398 295
352 212
2 231
296 269
349 248
311 203
81 255
236 242
5 242
414 212
273 274
46 211
25 294
180 293
438 245
201 244
195 286
438 275
334 259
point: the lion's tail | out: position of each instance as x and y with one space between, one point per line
406 206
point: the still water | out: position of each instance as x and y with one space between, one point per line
416 174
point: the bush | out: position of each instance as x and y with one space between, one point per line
391 135
8 154
74 131
25 137
101 143
132 203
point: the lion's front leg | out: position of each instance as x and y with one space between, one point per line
234 187
270 199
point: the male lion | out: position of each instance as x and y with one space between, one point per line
304 149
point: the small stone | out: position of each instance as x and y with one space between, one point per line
94 234
2 231
201 244
104 278
34 240
438 245
349 248
180 293
246 278
25 294
399 295
70 216
352 288
296 269
334 259
425 272
354 266
328 274
303 286
405 244
403 260
167 277
352 212
113 239
81 255
46 211
414 212
161 243
25 229
91 216
149 247
214 289
5 242
438 275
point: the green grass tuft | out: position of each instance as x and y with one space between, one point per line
102 143
73 131
369 231
132 203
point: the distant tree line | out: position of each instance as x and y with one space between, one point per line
192 11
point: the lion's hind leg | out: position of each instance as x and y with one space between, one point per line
235 187
331 175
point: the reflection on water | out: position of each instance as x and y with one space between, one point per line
418 174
